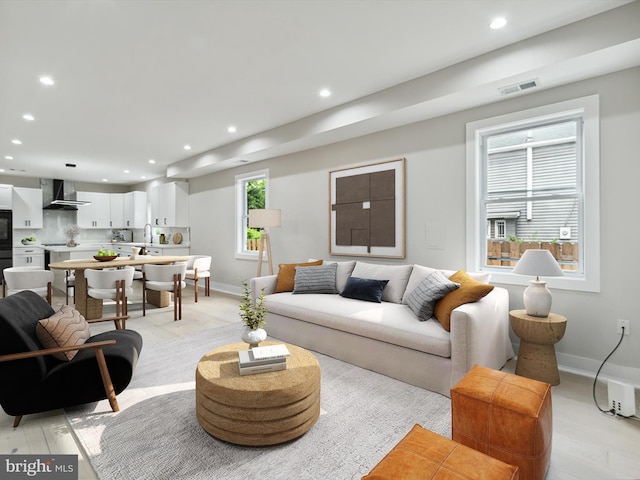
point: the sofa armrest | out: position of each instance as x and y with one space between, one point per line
256 285
480 334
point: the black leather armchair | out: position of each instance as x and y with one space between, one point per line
33 381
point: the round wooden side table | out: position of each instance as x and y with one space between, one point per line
538 335
261 409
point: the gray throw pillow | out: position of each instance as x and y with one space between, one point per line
423 298
317 279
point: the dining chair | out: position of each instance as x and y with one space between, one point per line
111 284
18 279
164 278
199 266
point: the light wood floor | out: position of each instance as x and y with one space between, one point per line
587 444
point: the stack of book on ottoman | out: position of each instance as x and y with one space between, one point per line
263 359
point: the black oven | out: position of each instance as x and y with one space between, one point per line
6 230
6 240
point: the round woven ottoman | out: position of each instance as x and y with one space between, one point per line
261 409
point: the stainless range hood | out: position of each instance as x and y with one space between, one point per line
57 195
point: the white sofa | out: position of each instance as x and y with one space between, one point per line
387 337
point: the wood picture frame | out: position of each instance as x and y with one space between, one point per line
366 210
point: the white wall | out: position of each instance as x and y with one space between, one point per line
435 198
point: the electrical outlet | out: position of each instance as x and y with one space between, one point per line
625 324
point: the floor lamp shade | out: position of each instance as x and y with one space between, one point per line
538 263
264 218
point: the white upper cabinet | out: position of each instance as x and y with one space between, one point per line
135 209
170 205
116 206
27 207
6 192
98 213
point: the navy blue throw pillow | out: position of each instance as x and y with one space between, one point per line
365 289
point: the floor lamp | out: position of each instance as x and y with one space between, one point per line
264 218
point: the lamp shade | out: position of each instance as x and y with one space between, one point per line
539 263
264 218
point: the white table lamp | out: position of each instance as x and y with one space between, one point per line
538 263
264 218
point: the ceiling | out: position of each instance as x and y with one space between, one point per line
138 80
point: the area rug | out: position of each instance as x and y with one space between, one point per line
156 435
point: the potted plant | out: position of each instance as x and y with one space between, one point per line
252 317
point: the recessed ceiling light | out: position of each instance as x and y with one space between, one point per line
126 171
28 117
325 92
8 157
1 170
15 141
152 160
143 177
232 129
187 147
497 23
105 179
46 80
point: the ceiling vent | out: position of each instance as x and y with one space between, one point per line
519 87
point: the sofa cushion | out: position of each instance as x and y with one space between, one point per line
318 279
398 276
367 289
343 272
67 327
387 322
470 291
286 275
422 299
418 274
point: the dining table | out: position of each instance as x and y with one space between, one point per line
91 307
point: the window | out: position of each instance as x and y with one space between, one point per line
533 179
251 193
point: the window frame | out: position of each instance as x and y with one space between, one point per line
241 213
476 226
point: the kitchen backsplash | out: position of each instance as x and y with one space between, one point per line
55 221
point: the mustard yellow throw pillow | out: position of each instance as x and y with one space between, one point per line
470 291
287 274
67 327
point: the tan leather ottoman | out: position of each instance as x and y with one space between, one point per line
505 416
423 454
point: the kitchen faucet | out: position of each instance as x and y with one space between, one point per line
145 234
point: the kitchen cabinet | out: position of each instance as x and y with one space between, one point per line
135 209
6 192
27 207
116 210
98 213
170 205
28 257
171 251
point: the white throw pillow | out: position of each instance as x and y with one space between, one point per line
398 276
